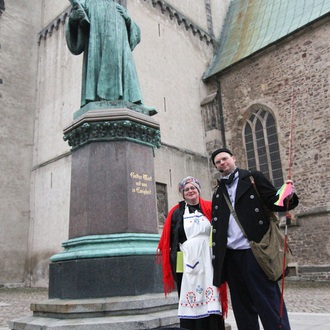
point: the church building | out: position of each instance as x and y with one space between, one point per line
249 75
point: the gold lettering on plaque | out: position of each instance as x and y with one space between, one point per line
141 183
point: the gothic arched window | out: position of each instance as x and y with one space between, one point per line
261 143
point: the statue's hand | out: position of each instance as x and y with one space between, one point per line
77 15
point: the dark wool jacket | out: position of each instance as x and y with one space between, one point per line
177 236
251 211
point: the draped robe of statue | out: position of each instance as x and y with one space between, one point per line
107 36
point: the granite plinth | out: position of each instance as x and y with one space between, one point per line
105 277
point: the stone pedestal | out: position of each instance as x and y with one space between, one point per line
112 176
113 230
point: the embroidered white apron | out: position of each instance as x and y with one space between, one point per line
198 297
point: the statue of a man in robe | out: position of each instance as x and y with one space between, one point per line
103 30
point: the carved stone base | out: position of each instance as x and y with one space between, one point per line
105 277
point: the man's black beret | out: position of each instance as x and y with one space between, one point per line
218 152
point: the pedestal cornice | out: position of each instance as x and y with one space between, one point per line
116 124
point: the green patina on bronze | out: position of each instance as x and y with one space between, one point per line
105 33
119 104
113 245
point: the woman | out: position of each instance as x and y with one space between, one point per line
187 229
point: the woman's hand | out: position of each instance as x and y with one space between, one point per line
289 197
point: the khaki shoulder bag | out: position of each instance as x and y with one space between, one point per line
269 252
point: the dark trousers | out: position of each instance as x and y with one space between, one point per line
212 322
252 294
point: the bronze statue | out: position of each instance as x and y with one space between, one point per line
103 30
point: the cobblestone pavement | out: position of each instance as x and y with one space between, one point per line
300 297
15 302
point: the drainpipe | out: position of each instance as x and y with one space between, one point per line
222 121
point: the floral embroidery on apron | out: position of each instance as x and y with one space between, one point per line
198 297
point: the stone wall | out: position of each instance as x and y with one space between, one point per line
310 240
18 71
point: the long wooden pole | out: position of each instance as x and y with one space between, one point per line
287 215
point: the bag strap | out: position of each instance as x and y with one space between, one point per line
233 212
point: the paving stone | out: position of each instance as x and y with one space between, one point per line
300 297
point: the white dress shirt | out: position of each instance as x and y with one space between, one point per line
235 237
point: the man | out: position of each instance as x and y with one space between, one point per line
103 30
252 293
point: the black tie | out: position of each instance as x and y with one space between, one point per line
230 179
